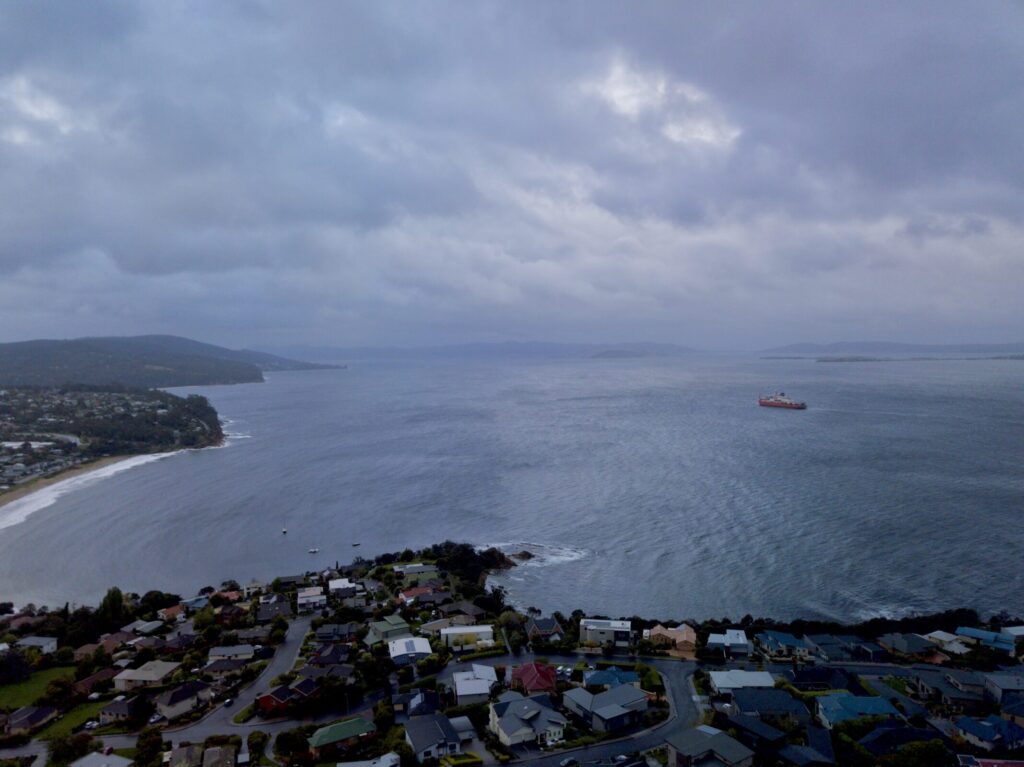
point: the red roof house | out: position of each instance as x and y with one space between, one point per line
534 677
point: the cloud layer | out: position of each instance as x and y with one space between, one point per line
392 173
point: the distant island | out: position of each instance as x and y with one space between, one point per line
136 361
843 348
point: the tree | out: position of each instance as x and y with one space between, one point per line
149 748
930 754
67 748
112 613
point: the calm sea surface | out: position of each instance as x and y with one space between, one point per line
652 487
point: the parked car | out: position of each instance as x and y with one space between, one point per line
569 762
229 701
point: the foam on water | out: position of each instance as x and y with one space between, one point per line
18 511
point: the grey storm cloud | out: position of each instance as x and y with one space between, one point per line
365 173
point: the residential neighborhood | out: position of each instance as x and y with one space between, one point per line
411 659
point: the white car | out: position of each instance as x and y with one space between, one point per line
155 718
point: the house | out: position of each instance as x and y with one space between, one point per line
275 701
803 756
343 672
416 703
267 612
391 627
431 737
468 609
779 644
390 759
219 756
256 635
310 599
44 645
758 735
343 633
830 647
990 639
194 604
544 630
408 650
598 631
29 718
182 700
726 682
956 690
329 655
706 745
950 644
682 639
515 719
610 677
842 707
463 727
151 674
534 677
121 709
990 733
770 705
474 686
891 736
818 679
340 736
221 669
461 638
173 614
100 679
233 652
733 643
911 645
186 756
607 711
999 685
99 759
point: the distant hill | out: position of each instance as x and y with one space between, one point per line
511 349
138 361
889 347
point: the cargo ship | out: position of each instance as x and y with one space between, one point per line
781 400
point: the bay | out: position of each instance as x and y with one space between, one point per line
650 486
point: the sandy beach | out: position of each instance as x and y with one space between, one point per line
38 484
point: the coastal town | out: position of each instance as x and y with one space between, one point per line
410 658
45 432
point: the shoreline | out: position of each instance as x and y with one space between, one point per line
41 483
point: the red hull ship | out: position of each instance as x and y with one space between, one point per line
781 400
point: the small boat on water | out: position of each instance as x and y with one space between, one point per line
780 399
314 551
357 544
284 531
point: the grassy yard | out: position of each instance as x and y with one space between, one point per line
77 716
25 693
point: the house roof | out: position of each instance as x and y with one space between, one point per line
734 679
887 738
424 732
535 677
991 729
841 707
536 713
770 702
181 693
340 731
756 727
153 671
408 646
803 756
704 740
603 624
97 759
610 677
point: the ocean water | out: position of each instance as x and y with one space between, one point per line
645 486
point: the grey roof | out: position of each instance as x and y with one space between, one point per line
427 731
536 712
768 701
756 727
181 692
96 759
704 739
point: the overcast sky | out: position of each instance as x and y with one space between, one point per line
718 175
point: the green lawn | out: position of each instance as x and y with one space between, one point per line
79 715
25 693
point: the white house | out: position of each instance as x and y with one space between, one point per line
311 598
724 682
182 699
733 642
233 652
603 632
468 637
407 650
474 686
151 674
45 645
